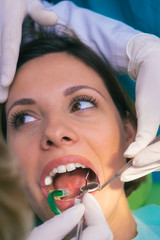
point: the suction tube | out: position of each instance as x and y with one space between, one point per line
51 200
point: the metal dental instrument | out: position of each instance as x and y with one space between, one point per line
81 222
93 186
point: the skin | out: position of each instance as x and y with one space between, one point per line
95 133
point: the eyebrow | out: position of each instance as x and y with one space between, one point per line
23 101
67 92
71 90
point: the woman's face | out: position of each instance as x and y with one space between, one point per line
61 118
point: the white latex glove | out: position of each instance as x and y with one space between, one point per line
98 228
12 14
143 51
61 225
145 162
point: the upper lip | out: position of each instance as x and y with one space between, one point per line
63 161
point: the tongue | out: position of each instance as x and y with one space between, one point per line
71 181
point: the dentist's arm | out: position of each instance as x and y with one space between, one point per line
12 14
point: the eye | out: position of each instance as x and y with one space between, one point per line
21 118
83 102
81 105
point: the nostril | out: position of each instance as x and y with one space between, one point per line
66 138
49 143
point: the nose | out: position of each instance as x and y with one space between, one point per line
58 133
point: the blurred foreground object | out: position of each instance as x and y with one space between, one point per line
16 218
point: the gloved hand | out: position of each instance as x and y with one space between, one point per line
59 226
143 51
98 228
12 14
145 162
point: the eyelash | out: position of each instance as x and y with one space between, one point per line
15 116
84 98
19 114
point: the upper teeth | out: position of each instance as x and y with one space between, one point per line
62 169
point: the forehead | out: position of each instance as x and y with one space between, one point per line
56 64
53 71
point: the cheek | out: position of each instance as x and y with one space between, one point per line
107 137
111 146
25 151
27 154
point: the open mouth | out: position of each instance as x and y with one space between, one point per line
70 177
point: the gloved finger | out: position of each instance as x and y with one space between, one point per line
133 172
3 94
93 213
145 162
59 226
146 132
10 42
98 227
149 155
147 108
41 15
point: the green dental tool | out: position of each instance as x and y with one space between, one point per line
51 199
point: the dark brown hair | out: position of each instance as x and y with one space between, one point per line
38 41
